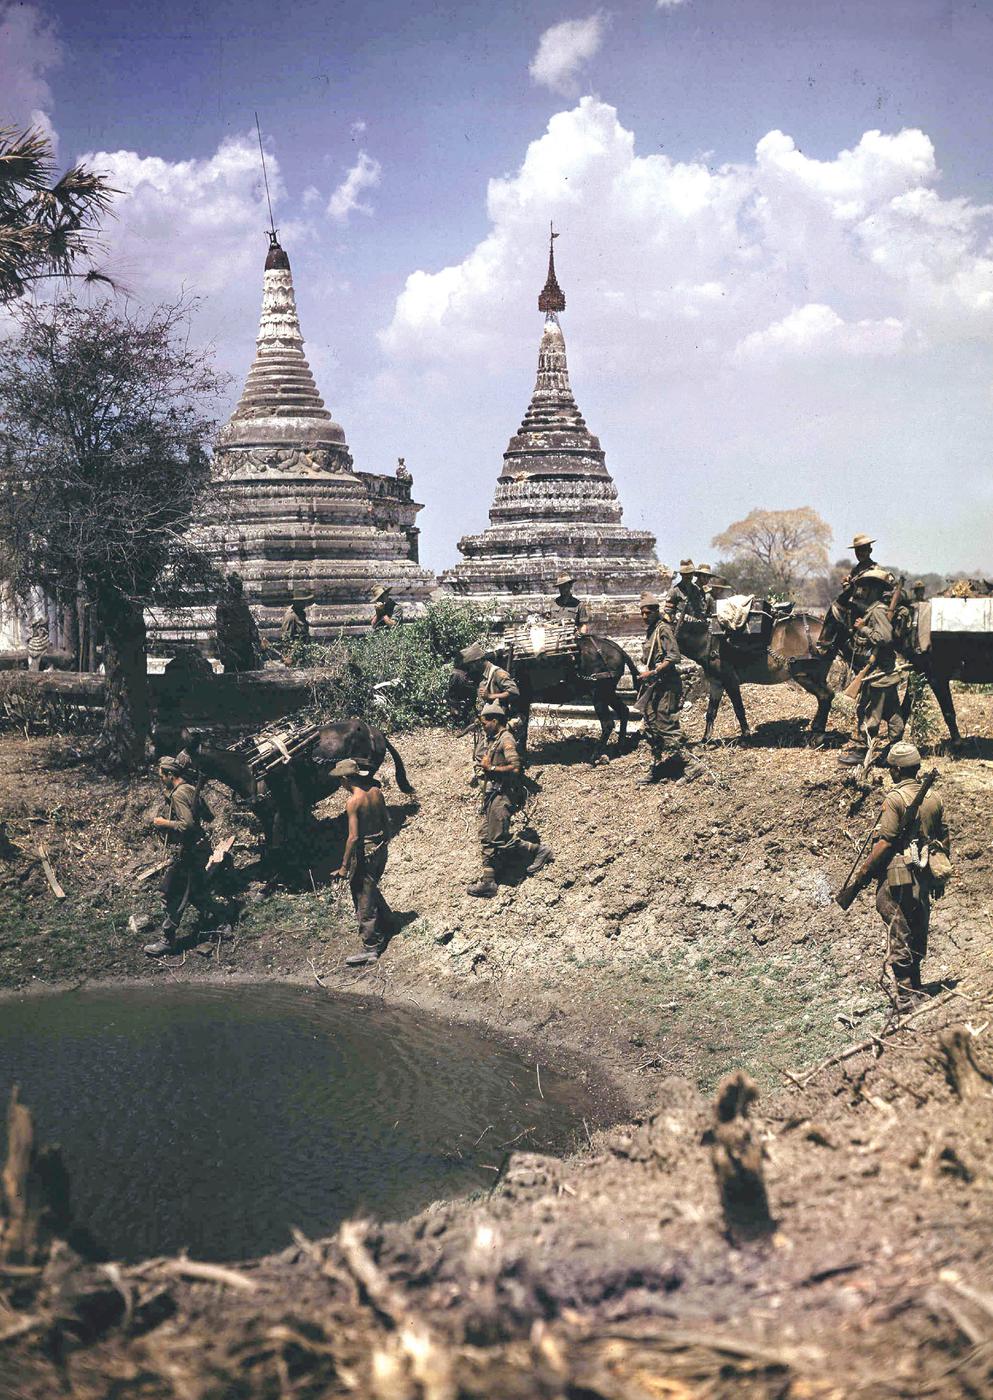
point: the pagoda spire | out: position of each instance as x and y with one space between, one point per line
551 297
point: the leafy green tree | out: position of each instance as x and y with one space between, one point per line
48 223
103 466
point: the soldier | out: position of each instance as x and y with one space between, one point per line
493 683
497 765
704 578
685 597
185 878
387 611
364 858
838 621
571 605
239 645
873 643
295 626
920 591
661 695
911 867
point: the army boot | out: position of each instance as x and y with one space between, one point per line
165 943
654 775
540 858
363 959
486 886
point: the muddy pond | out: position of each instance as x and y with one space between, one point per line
214 1119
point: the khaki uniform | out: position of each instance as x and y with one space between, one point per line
495 680
903 895
293 628
687 599
391 612
580 613
501 799
371 909
879 697
661 698
185 879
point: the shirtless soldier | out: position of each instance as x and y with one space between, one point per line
910 867
364 859
498 764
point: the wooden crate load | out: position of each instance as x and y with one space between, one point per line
275 745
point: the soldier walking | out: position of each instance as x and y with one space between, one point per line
686 596
185 880
497 765
661 695
364 858
494 685
874 646
910 862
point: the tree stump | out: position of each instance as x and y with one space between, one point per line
738 1160
962 1070
34 1192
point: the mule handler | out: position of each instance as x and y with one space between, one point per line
498 764
364 858
185 880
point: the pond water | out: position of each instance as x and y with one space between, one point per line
214 1119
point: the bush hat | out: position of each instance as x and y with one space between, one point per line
904 755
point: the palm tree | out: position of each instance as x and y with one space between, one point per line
47 224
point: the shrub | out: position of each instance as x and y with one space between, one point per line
397 677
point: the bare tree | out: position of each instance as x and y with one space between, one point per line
103 464
47 224
776 550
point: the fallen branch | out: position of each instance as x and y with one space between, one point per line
210 1273
314 971
156 869
21 1328
46 865
867 1044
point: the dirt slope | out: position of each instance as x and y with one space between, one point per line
681 931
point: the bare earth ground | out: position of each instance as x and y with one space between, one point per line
681 932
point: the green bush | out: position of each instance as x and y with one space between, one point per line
396 678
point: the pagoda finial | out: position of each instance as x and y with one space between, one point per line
551 297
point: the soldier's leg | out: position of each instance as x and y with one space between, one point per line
893 907
494 834
892 713
175 891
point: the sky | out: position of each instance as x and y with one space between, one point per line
775 218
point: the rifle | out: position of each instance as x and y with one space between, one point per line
846 896
855 684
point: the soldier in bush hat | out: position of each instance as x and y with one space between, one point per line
387 612
295 626
492 682
572 607
910 863
497 765
188 849
364 857
686 596
874 646
661 695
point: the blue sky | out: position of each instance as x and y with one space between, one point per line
755 317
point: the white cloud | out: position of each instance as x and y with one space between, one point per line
564 49
29 50
816 329
365 174
668 4
357 128
756 329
